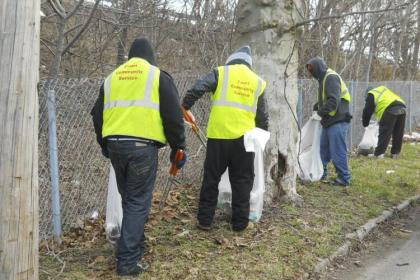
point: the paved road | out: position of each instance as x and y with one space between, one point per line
391 259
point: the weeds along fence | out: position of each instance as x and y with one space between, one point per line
83 171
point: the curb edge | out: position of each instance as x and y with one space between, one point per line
362 232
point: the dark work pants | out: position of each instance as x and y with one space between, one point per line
222 154
390 125
135 167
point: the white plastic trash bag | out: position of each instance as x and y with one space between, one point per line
225 192
309 167
114 212
369 140
254 141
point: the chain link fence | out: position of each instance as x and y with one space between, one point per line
83 171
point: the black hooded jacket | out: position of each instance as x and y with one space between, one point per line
333 92
208 83
169 105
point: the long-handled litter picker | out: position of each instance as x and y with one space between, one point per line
189 118
173 171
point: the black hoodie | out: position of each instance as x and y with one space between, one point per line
208 83
333 92
169 106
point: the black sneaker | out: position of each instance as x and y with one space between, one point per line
134 271
203 227
250 225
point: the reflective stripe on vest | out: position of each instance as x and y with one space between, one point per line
145 102
345 94
234 103
131 101
383 97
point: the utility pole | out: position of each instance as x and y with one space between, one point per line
19 75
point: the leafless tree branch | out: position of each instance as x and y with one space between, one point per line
54 5
75 9
399 7
85 26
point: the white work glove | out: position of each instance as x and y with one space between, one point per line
316 117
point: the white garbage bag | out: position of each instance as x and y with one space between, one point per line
254 141
309 167
114 213
369 140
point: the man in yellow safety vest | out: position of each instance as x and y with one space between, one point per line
137 112
238 105
333 108
390 112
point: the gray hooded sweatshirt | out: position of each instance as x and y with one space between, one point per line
333 91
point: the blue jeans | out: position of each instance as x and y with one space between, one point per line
135 167
334 148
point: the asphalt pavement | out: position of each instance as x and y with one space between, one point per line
396 258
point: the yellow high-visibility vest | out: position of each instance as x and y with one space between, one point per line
131 102
383 98
234 103
345 94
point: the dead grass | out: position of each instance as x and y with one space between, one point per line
284 245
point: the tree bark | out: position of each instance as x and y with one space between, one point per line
262 25
123 34
415 58
59 47
19 52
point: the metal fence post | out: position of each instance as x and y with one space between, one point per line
52 143
352 112
410 108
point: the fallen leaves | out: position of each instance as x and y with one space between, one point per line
233 242
406 230
241 242
97 260
170 212
184 233
221 240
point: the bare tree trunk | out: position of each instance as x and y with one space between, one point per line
59 47
123 35
335 46
405 45
260 23
414 61
372 45
121 46
19 52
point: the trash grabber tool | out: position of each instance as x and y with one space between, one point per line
189 118
173 171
